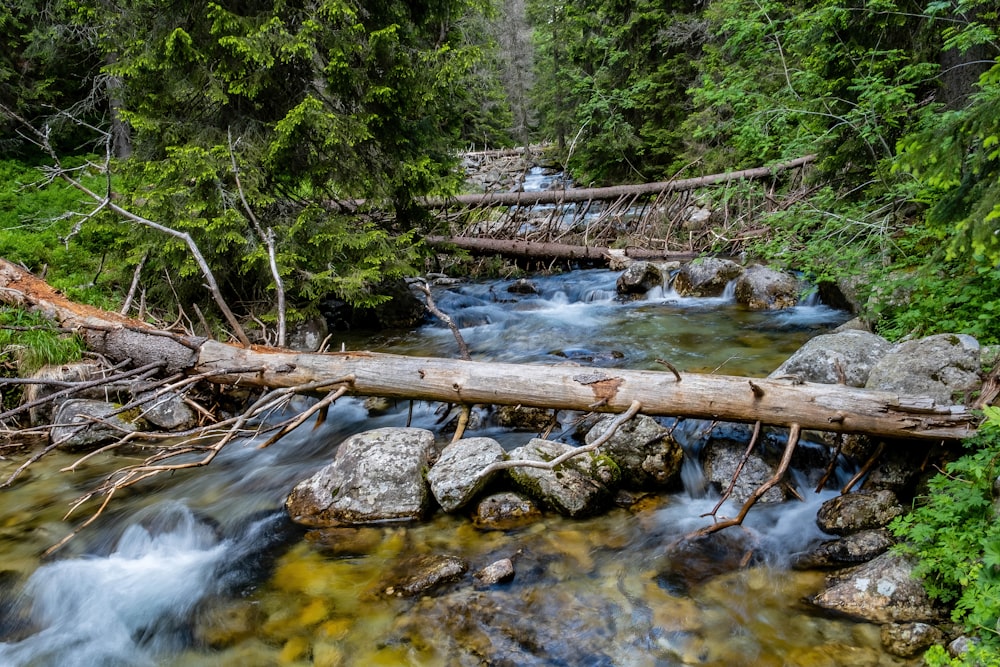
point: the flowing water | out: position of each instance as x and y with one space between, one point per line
203 568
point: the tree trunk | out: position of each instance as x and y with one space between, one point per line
726 398
531 249
615 192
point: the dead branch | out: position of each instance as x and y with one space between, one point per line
107 201
786 459
613 427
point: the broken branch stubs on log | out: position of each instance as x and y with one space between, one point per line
775 402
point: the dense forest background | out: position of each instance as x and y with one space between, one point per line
240 124
135 132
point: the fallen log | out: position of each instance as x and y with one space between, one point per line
535 250
610 193
777 402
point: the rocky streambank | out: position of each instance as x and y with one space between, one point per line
410 474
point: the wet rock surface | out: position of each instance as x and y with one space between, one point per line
506 510
421 574
856 548
763 288
375 476
854 512
639 278
581 486
721 460
882 590
644 451
908 640
706 277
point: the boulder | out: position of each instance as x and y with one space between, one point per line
83 425
846 357
504 511
883 590
854 512
942 367
762 288
644 451
859 547
307 335
908 640
721 459
77 372
456 478
581 486
375 476
707 276
639 278
167 410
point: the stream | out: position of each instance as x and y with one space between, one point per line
203 568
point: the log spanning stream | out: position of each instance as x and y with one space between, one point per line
203 568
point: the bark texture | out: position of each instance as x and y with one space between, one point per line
778 402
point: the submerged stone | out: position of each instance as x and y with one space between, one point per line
420 574
505 511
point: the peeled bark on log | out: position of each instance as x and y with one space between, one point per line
531 249
613 193
813 406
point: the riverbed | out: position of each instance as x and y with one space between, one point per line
203 568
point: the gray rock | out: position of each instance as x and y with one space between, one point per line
883 590
960 646
455 478
82 424
721 459
581 486
421 574
644 451
847 356
849 550
375 476
854 512
907 640
762 288
308 335
942 367
522 286
639 278
78 372
167 411
706 276
523 418
495 573
504 511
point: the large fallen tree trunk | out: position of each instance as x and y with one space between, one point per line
835 408
613 192
534 250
